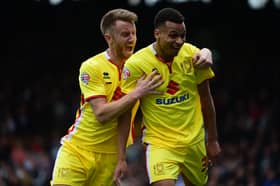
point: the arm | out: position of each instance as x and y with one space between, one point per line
209 116
203 58
105 111
138 125
123 132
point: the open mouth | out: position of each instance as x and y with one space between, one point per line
129 48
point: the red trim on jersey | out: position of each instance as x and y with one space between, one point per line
168 63
93 97
119 69
118 94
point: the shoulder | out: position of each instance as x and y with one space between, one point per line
188 49
140 55
94 61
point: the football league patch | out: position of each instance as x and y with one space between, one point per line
85 78
126 73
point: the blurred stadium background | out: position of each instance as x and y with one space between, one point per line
45 41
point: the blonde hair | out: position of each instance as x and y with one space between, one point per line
112 16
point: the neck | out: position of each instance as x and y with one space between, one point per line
159 54
115 58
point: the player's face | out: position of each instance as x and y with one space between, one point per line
170 38
124 39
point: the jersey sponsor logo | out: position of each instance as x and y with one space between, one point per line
173 100
106 75
85 78
126 73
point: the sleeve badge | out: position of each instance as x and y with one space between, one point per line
85 78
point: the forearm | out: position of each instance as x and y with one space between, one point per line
209 115
208 110
105 112
123 132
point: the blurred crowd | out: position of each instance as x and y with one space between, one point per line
39 91
34 115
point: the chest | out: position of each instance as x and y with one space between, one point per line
179 73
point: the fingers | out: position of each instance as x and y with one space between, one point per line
142 77
202 59
155 83
156 92
199 61
146 86
210 163
154 80
195 58
117 182
152 75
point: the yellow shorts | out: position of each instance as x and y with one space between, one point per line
164 164
76 167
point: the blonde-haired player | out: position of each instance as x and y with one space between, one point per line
88 154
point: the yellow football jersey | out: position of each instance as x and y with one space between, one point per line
98 77
173 119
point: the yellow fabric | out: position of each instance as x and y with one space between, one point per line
90 148
131 136
163 163
98 77
174 119
75 166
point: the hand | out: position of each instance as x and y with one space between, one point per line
120 172
148 85
203 59
213 150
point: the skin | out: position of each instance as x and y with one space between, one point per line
121 40
169 40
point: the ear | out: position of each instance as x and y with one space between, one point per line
156 33
107 37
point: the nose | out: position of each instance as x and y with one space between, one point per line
132 37
180 40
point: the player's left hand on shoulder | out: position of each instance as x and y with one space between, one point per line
203 58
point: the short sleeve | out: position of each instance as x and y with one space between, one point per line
90 81
131 73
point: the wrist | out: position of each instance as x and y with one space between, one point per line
135 95
212 140
122 158
121 155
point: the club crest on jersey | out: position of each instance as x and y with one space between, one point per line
85 78
126 73
186 65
